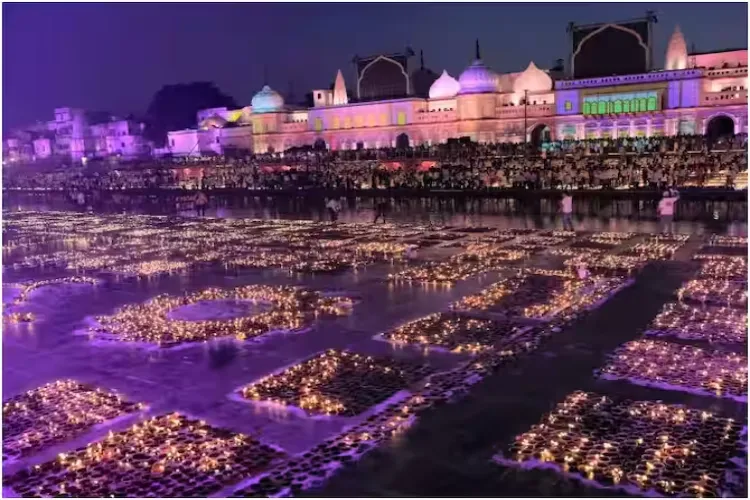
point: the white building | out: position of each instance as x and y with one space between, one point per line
75 134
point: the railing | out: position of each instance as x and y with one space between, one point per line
532 110
725 97
726 72
435 116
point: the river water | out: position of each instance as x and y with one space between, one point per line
600 213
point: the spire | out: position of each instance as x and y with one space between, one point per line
477 50
676 51
339 90
421 59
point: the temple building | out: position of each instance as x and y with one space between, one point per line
695 93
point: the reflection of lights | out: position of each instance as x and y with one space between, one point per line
674 450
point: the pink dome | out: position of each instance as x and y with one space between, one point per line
532 79
445 87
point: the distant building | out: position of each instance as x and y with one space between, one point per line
75 134
698 93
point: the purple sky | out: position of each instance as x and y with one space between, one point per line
114 57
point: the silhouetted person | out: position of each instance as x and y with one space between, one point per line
380 210
566 207
201 201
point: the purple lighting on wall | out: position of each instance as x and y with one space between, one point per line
690 93
567 102
673 94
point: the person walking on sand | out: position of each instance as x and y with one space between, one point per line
566 207
666 210
380 211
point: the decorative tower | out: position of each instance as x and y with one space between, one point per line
339 90
677 57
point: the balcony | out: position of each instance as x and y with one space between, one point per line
726 72
532 110
435 116
724 98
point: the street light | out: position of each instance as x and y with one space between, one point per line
525 122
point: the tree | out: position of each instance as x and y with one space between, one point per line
174 107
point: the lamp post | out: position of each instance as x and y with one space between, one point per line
525 122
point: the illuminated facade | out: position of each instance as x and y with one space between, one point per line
75 134
685 98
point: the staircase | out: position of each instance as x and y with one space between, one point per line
719 180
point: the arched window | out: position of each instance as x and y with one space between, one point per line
618 106
651 105
602 107
586 108
626 107
401 118
642 104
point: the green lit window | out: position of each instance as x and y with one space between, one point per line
568 106
642 104
602 107
586 108
626 107
318 124
618 106
634 105
651 106
401 118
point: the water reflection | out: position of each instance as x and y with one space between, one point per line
601 213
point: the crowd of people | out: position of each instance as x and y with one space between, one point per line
654 163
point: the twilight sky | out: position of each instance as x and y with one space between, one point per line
114 57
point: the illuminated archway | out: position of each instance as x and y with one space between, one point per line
540 134
320 144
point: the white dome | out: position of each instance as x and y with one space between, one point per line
504 83
477 79
532 79
267 100
445 87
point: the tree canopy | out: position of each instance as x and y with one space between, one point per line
174 107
